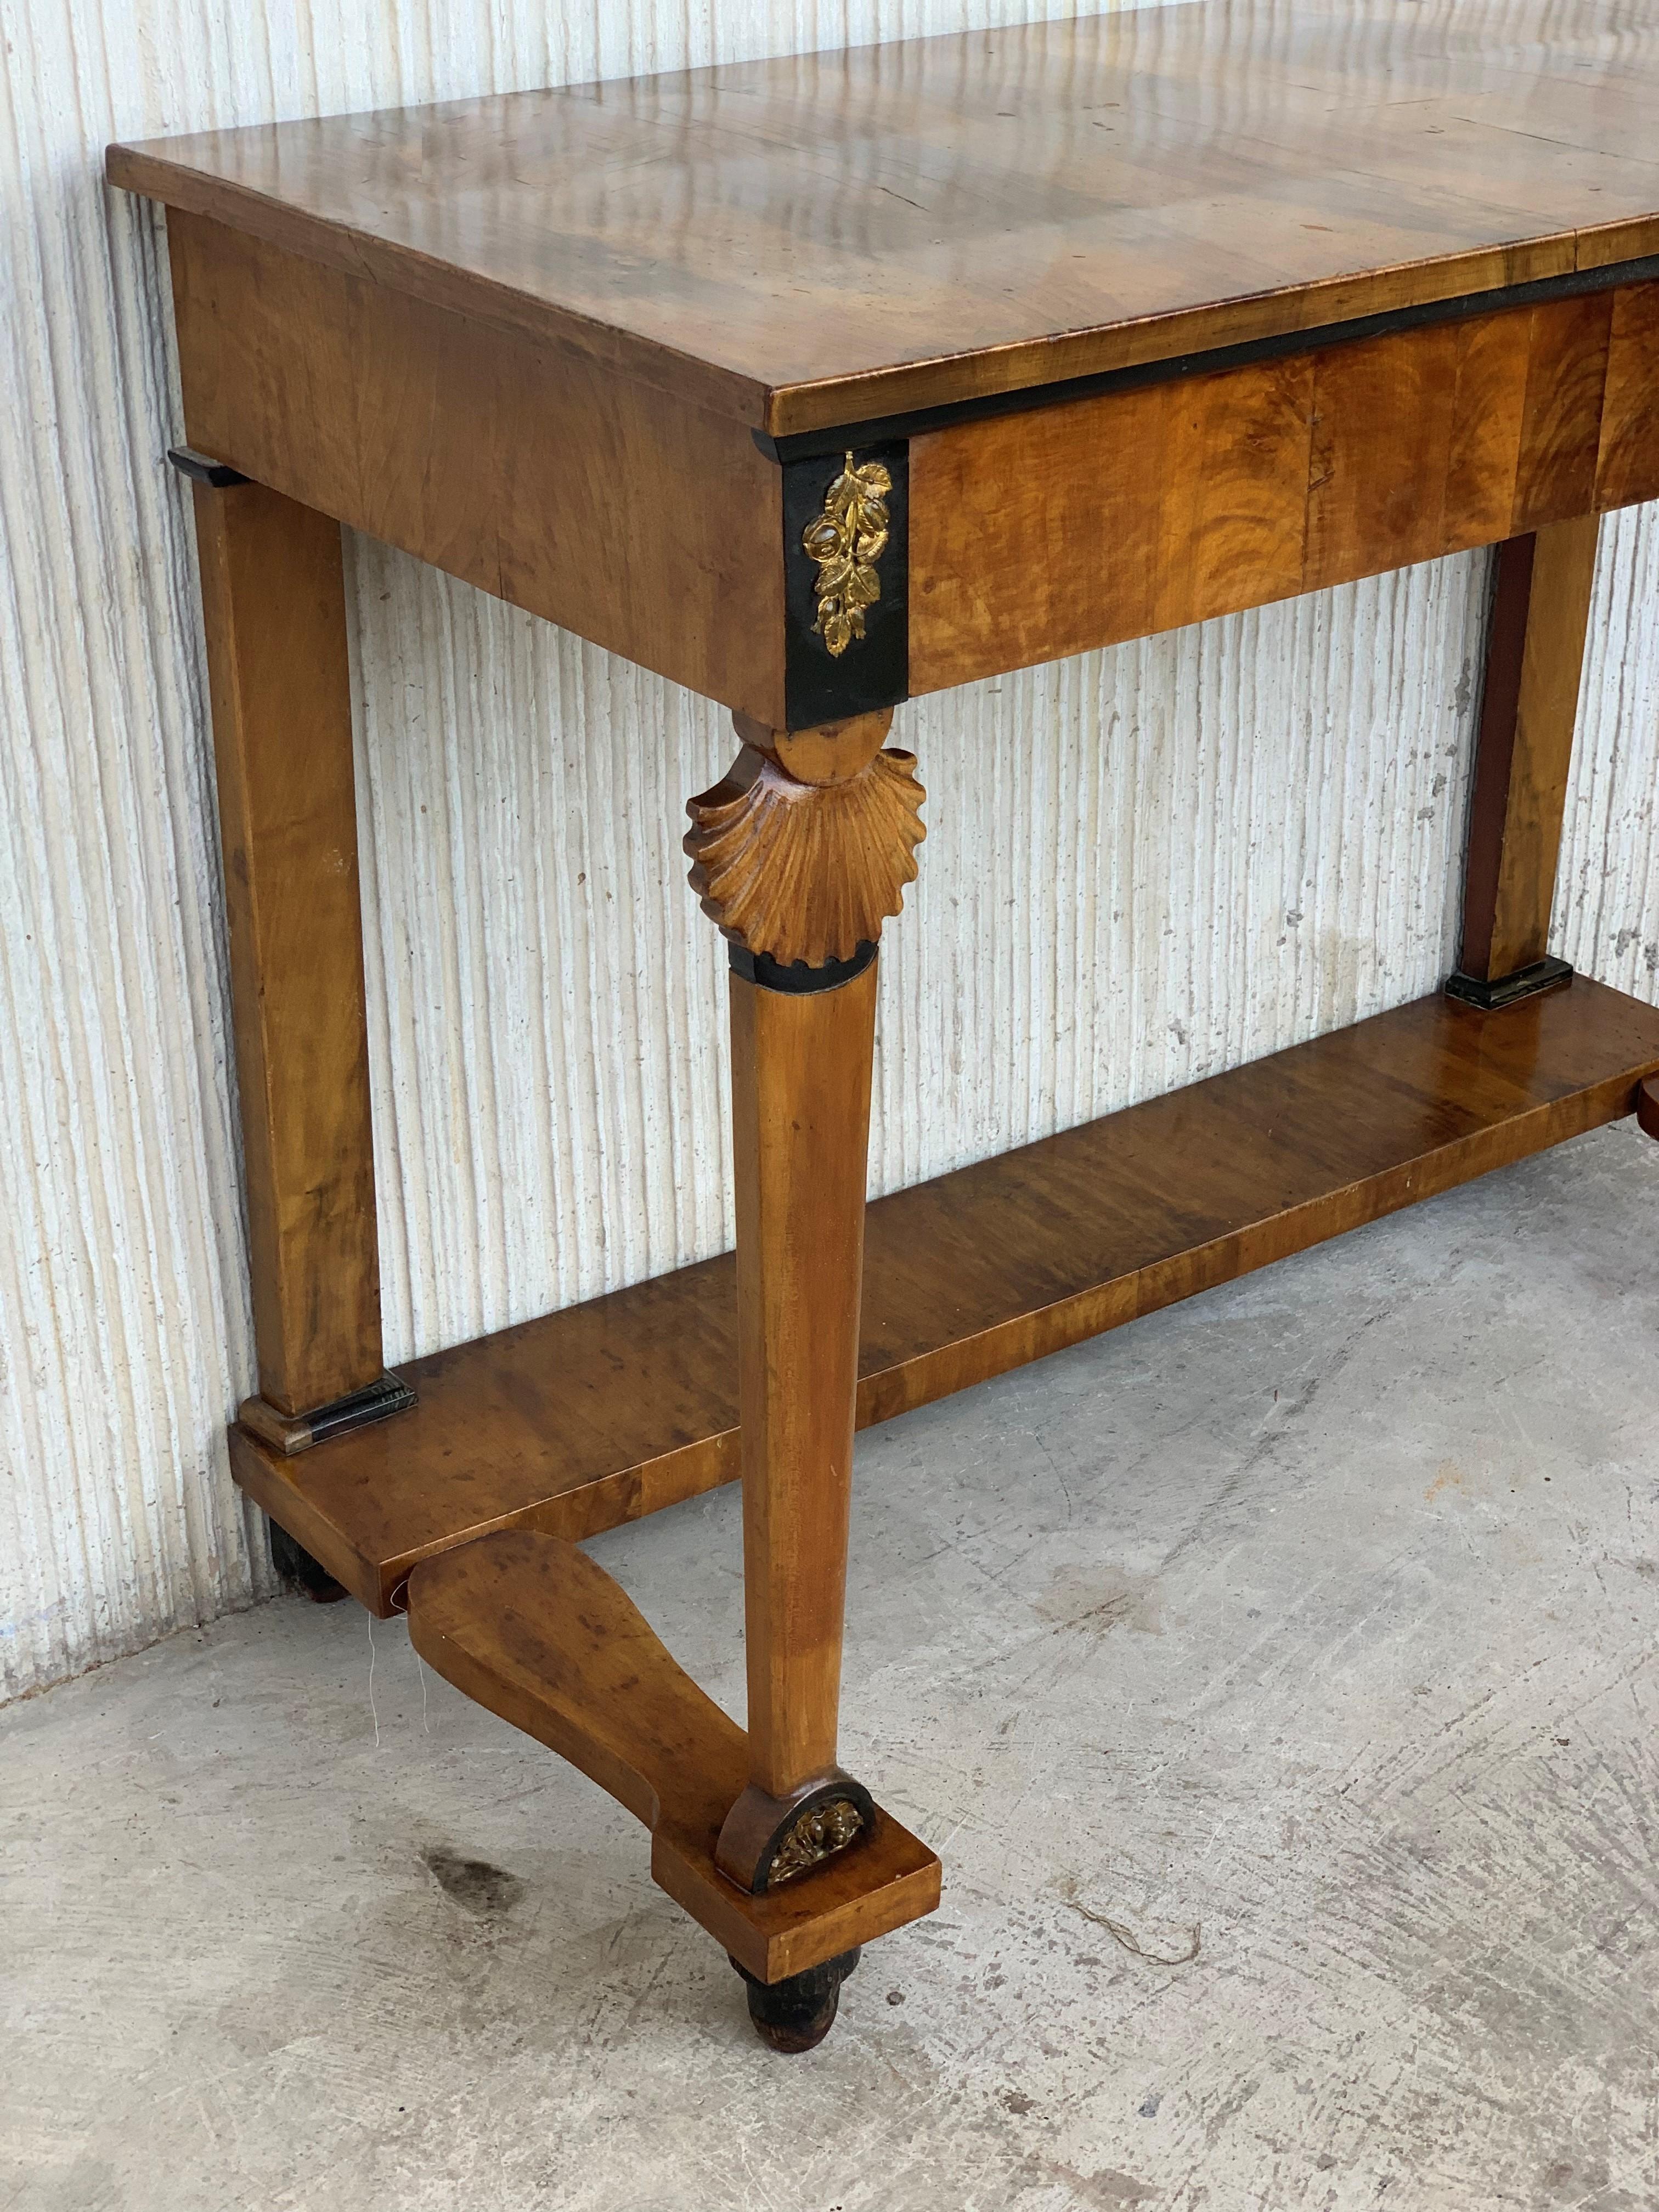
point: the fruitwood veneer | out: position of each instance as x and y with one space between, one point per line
1048 531
818 240
274 613
611 1410
513 463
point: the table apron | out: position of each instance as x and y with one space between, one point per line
1054 531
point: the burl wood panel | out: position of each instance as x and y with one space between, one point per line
819 239
274 606
643 523
612 1409
530 1628
1037 534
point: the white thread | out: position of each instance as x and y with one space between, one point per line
374 1715
402 1591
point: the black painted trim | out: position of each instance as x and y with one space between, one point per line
802 443
219 475
294 1563
376 1402
874 670
798 980
1508 990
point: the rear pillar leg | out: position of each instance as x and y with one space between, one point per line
274 607
1534 658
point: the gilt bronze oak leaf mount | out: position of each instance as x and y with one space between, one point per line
847 538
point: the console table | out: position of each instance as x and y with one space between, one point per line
817 385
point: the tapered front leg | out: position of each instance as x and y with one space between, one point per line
799 855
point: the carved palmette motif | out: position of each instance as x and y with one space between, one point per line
846 539
805 872
821 1831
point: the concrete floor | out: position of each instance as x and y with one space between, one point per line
1277 1678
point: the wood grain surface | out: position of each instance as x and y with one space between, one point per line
644 524
1530 712
822 238
801 1127
530 1628
274 606
1059 529
612 1409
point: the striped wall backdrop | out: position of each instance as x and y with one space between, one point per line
1142 865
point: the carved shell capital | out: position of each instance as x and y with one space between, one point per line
805 872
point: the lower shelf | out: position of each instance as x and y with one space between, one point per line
611 1410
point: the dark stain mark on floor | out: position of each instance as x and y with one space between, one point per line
473 1883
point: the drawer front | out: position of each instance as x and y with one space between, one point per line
1050 532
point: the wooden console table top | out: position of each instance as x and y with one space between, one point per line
835 237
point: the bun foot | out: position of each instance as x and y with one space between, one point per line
797 2013
301 1572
